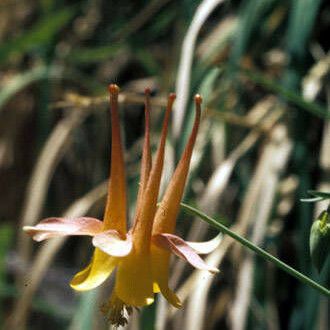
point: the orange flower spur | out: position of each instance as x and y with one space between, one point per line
141 255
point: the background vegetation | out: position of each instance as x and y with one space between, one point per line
262 68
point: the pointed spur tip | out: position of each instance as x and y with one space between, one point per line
172 97
214 270
26 228
198 99
113 89
170 100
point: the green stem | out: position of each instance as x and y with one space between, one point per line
288 94
262 253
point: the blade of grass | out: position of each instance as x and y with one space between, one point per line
83 317
51 154
252 13
302 21
45 255
277 151
203 11
88 55
39 34
38 304
290 95
21 80
6 234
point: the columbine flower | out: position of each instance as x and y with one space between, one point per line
140 255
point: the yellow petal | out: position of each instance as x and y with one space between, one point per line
156 288
134 280
160 271
95 273
115 211
171 297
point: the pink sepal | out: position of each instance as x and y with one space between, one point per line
110 242
55 227
180 248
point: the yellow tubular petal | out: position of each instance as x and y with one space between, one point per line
143 223
167 212
95 273
160 271
134 280
156 287
146 154
115 212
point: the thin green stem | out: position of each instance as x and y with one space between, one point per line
289 95
262 253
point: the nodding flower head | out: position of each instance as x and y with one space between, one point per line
140 255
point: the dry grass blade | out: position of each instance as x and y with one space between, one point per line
161 314
187 54
78 101
214 259
218 143
312 83
203 283
45 256
271 165
20 81
201 142
214 44
197 302
286 199
220 177
210 198
35 196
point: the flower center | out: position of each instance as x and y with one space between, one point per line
116 311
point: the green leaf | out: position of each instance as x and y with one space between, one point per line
289 95
311 200
95 54
43 31
321 194
6 234
318 196
319 240
23 79
252 15
83 317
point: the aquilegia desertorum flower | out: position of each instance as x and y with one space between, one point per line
141 255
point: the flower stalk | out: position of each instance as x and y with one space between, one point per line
259 251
